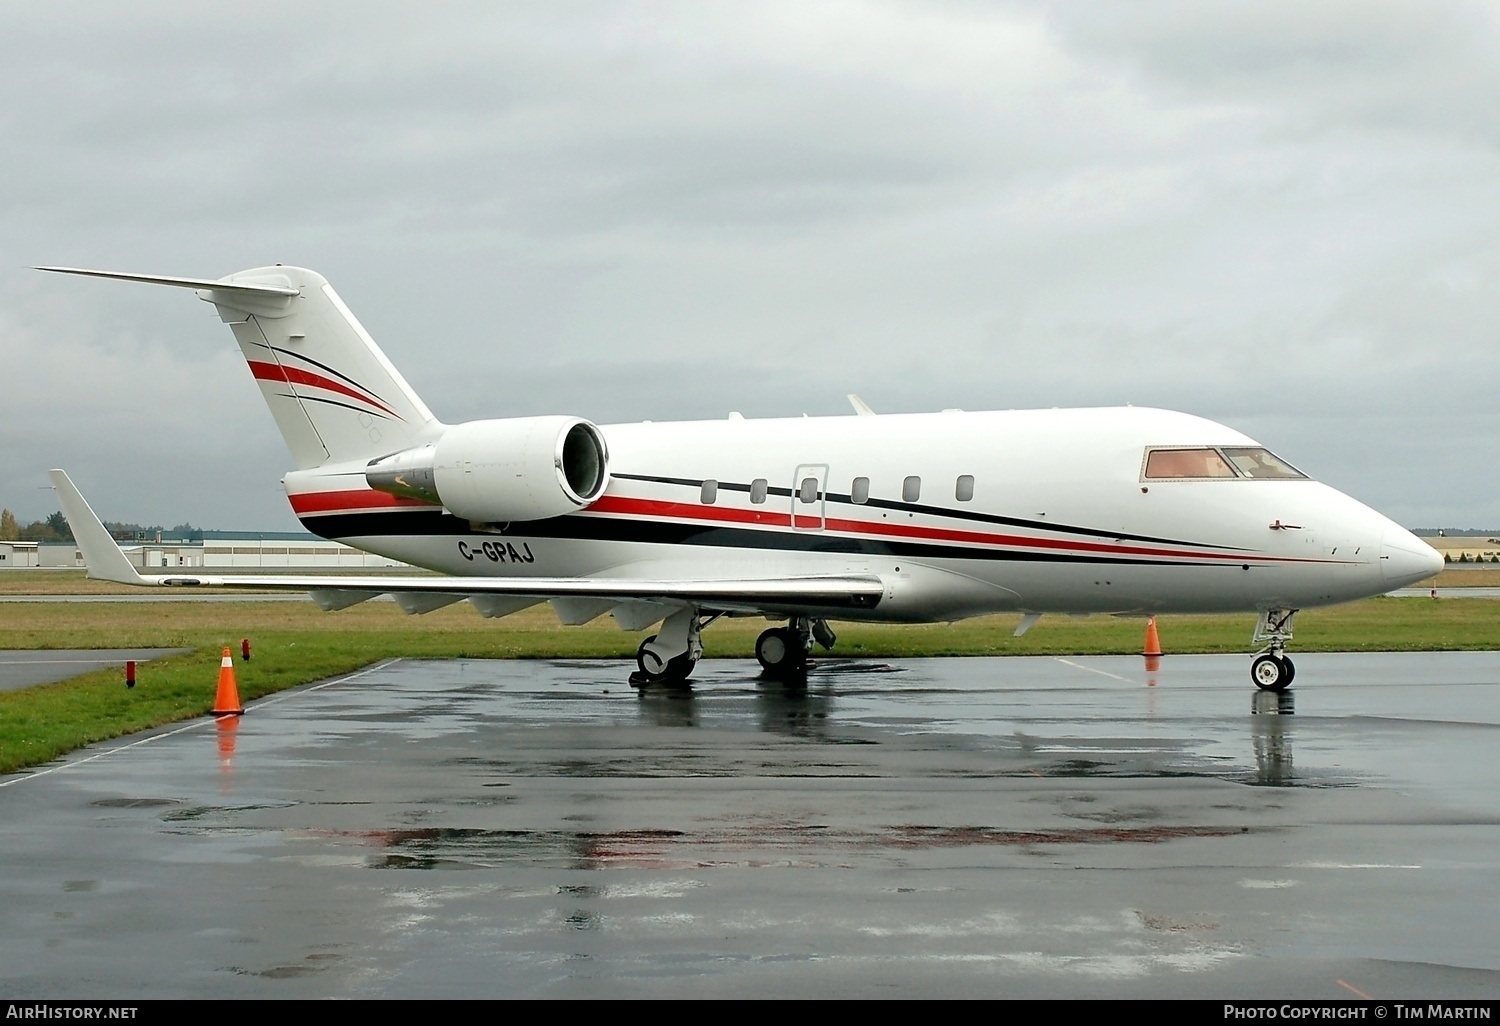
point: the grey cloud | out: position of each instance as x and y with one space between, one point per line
1310 67
1273 215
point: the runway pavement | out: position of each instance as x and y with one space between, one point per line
1022 827
24 668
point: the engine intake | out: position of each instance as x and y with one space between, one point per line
497 471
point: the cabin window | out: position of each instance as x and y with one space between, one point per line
911 489
709 492
1177 464
859 491
758 490
1260 463
808 492
964 490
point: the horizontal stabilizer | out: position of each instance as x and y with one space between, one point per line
232 287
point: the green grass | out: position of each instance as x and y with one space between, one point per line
294 644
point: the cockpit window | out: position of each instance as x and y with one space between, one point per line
1226 462
1174 464
1261 463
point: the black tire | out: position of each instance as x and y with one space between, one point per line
1270 673
675 670
780 653
1291 670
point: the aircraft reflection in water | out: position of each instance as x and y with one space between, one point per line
975 710
895 519
1270 735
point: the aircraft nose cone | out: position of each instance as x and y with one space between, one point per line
1407 559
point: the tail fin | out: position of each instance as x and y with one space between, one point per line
333 393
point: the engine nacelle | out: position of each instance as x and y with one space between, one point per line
497 471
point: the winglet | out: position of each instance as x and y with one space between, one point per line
860 406
101 555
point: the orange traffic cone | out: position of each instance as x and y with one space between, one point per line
1153 643
227 701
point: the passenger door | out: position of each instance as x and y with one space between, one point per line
809 496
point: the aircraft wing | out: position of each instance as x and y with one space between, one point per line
105 561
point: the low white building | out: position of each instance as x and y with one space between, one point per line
17 554
165 555
254 554
318 554
222 553
58 554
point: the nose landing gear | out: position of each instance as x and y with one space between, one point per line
1272 672
1272 669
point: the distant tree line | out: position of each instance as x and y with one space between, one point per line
54 529
135 532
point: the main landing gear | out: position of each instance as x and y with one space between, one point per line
782 651
669 656
1272 669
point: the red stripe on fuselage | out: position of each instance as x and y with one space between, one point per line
297 376
679 510
687 511
351 501
314 503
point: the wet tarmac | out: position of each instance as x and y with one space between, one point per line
1024 827
25 668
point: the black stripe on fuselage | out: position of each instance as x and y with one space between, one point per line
417 523
972 516
688 482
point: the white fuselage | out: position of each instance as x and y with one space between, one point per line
1059 517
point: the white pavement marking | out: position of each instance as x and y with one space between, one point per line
199 723
346 678
1090 669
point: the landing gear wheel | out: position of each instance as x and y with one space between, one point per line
780 652
654 671
1271 673
1291 671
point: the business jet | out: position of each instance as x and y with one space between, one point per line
870 518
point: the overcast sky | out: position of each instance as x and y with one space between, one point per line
1281 216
